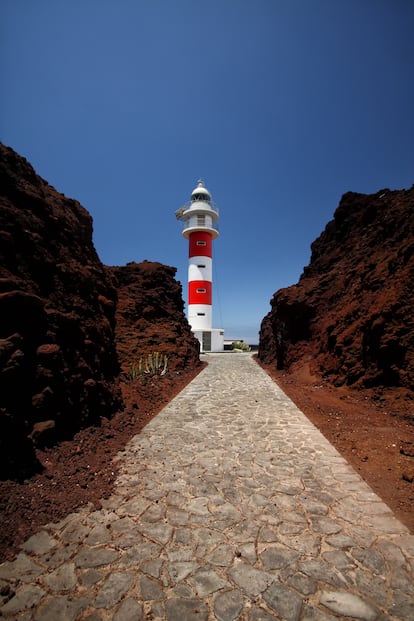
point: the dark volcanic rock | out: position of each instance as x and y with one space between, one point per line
150 317
350 317
58 362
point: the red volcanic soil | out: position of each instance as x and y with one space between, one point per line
150 317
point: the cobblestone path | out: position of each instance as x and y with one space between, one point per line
230 505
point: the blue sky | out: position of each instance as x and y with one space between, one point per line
280 106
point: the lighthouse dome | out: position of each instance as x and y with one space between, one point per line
200 193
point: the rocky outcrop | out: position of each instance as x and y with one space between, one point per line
150 317
58 363
61 358
350 317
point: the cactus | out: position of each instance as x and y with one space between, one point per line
148 364
151 364
165 367
133 370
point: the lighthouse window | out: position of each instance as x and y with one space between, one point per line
200 266
201 243
201 314
201 219
201 290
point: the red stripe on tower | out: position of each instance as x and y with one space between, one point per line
199 292
200 244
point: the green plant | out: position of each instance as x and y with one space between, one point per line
240 346
165 366
151 364
133 370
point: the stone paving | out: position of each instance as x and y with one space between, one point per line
229 505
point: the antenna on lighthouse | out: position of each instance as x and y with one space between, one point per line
179 212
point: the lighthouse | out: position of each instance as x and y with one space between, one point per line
199 218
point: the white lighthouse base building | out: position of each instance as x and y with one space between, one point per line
210 340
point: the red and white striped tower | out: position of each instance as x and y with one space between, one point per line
200 228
